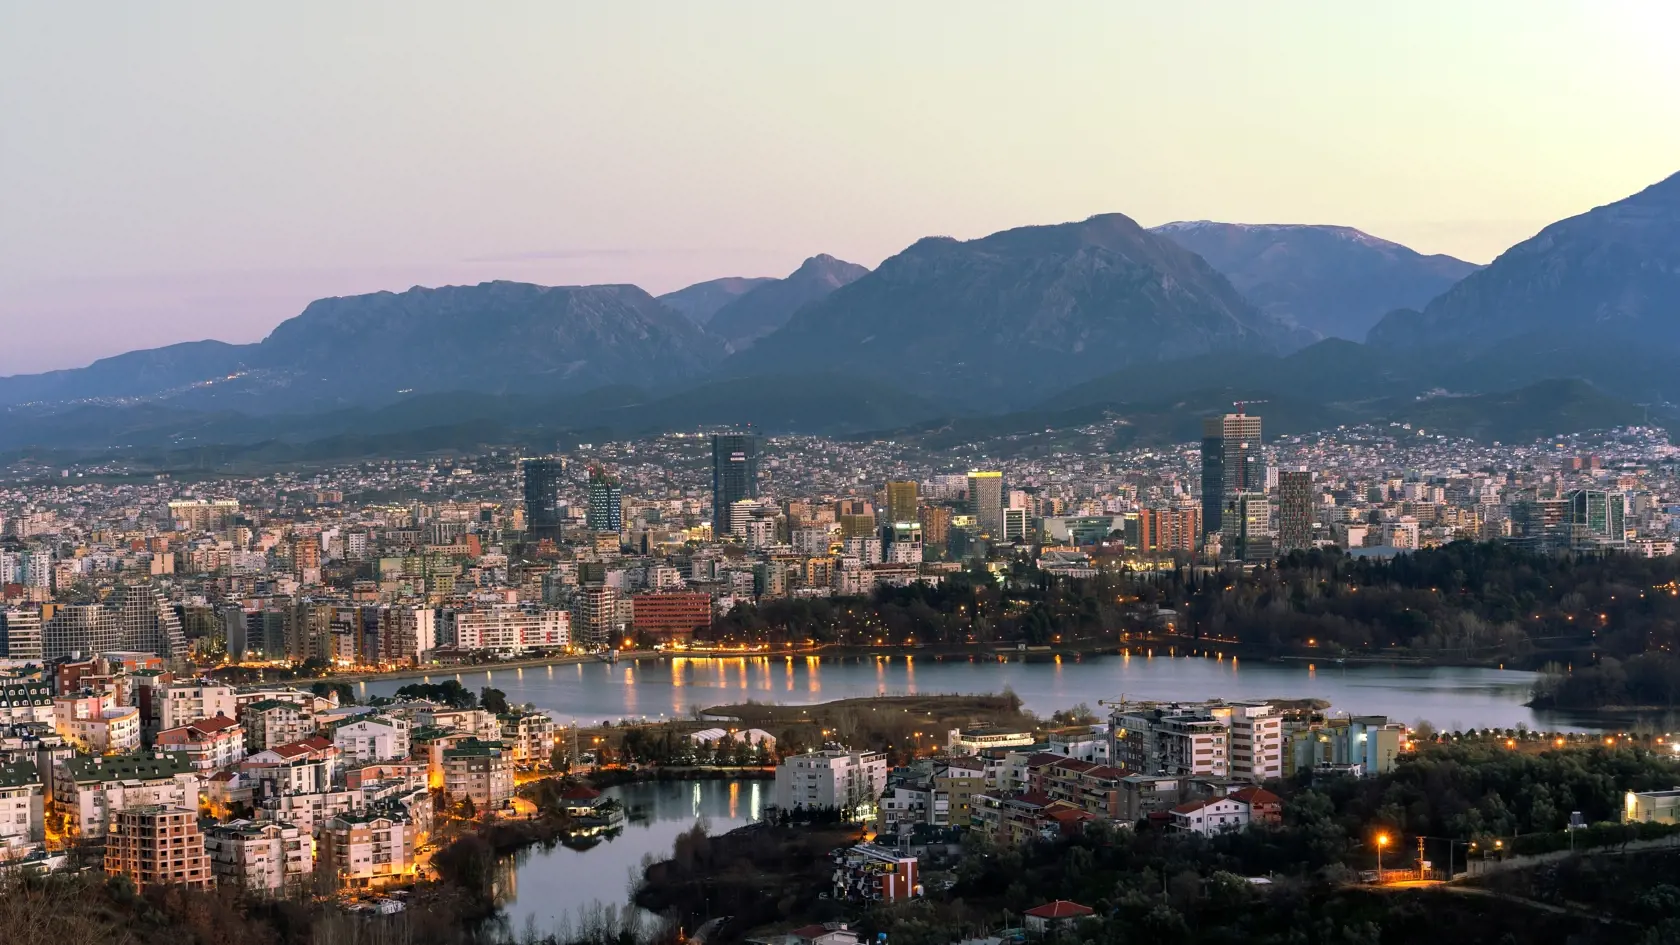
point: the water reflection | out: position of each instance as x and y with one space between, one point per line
1449 697
549 888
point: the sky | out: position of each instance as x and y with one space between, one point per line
187 170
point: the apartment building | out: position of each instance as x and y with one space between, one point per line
273 722
88 791
868 873
530 736
479 771
157 845
269 858
369 849
1241 740
26 702
849 781
95 724
22 815
372 738
209 744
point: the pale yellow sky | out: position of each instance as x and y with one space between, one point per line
184 170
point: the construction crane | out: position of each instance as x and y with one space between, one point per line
1242 404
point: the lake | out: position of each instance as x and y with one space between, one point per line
561 887
1451 698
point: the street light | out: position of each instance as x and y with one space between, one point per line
1382 841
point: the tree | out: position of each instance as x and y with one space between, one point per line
493 700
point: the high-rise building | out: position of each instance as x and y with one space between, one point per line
985 501
1598 517
1246 532
936 525
595 617
20 633
734 475
1231 463
543 479
606 502
88 629
1295 510
1164 531
150 624
902 499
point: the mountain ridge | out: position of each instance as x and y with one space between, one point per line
1334 280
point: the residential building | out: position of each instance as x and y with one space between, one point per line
512 629
1295 510
1211 815
176 704
529 736
270 723
157 845
22 814
20 633
596 617
832 778
869 873
263 857
79 629
902 501
606 503
1053 918
479 771
88 791
208 744
30 701
149 623
372 738
369 849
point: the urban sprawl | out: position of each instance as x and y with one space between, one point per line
171 646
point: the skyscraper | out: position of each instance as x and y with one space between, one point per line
1246 534
734 475
543 478
1295 510
606 502
985 501
902 500
1231 463
1598 517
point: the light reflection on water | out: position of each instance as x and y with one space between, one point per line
551 887
1449 697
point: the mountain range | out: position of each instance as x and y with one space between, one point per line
1335 281
1035 322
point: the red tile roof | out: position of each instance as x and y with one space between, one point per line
1257 796
1060 909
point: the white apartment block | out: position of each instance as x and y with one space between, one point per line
377 738
179 703
22 816
1256 742
511 629
1242 740
832 777
26 702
